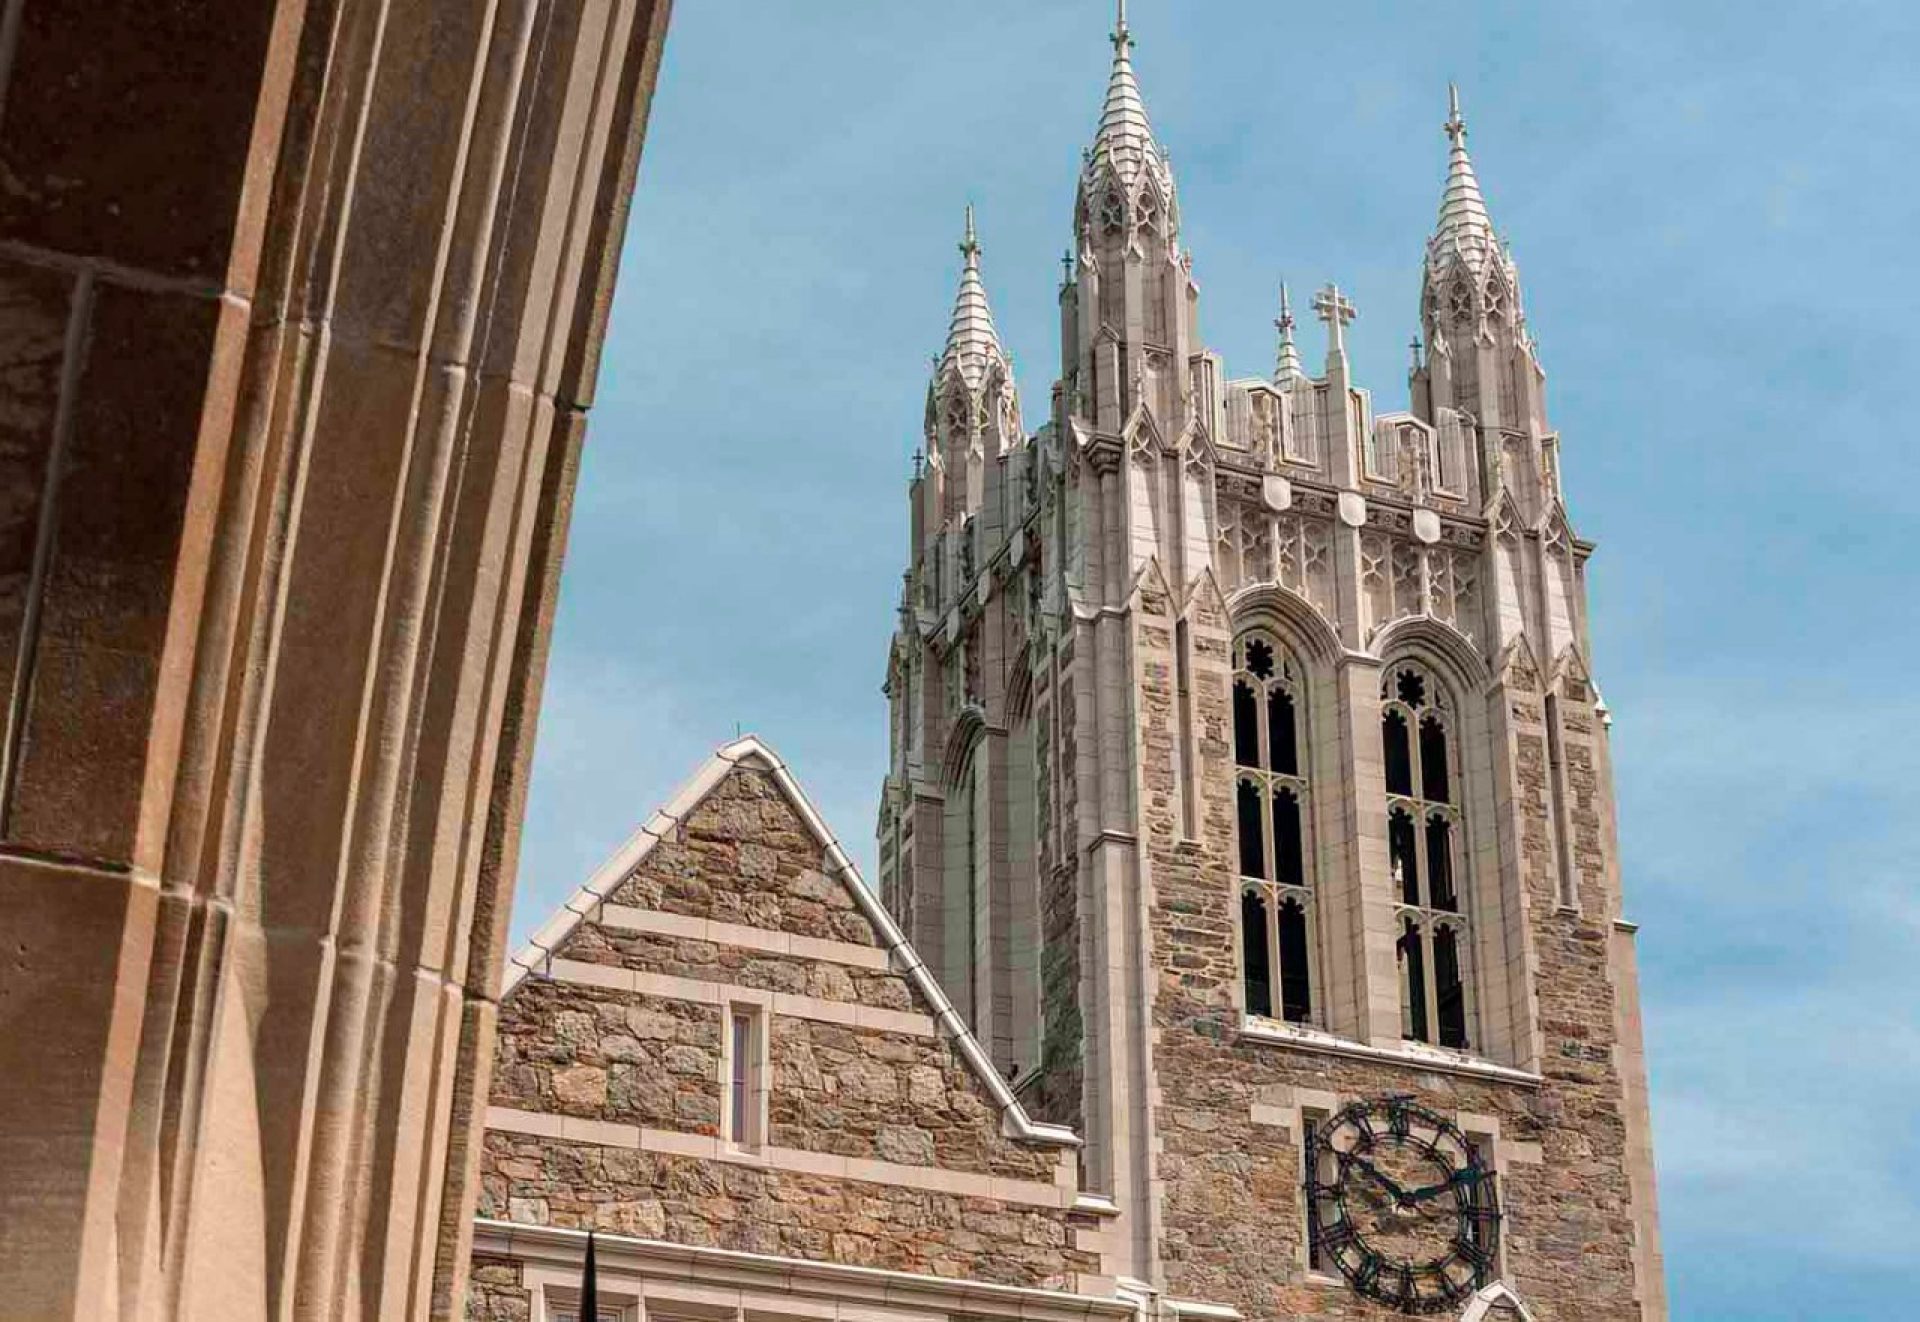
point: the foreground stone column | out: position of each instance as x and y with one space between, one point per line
300 313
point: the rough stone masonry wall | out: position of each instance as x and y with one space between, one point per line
495 1294
745 857
1232 1209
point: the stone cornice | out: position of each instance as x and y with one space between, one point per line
1406 1055
650 1259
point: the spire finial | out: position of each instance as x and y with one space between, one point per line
970 245
1286 365
1455 126
1121 37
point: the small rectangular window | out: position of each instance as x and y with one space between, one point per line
744 1100
1317 1167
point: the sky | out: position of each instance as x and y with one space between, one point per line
1714 215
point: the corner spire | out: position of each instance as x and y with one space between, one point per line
973 345
1286 366
1464 230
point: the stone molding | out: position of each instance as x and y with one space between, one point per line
1407 1054
649 922
752 1282
751 753
799 1161
848 1014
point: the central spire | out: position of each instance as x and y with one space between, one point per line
1124 144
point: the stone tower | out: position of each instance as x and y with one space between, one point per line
1249 785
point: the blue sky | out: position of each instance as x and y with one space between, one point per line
1713 211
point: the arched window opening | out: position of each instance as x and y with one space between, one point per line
1253 941
1413 981
1289 860
1433 760
1399 757
1280 735
1271 815
1403 855
1427 856
1246 725
1296 989
1253 855
1450 993
1440 863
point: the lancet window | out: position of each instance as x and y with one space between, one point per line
1426 856
1270 789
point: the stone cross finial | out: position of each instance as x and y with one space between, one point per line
1455 126
1332 307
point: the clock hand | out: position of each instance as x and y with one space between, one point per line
1465 1175
1399 1194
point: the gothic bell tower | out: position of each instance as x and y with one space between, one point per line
1250 791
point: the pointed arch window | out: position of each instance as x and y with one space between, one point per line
1270 813
1425 854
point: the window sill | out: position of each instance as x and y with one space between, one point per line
1414 1054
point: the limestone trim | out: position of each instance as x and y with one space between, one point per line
1412 1054
1181 1309
739 1283
1496 1296
649 922
799 1161
751 753
668 986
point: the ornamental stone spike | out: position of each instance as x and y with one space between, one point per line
1286 367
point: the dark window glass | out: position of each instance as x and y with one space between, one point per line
1448 990
1281 744
1413 979
1289 867
1404 855
1433 761
1440 863
1253 861
1260 658
1399 756
1253 945
1246 725
1296 994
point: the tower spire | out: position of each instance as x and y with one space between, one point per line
1124 143
1464 229
973 344
1286 365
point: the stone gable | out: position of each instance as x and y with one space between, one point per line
885 1144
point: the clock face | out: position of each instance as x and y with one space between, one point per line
1402 1205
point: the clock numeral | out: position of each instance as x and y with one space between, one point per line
1399 1118
1335 1237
